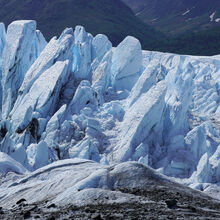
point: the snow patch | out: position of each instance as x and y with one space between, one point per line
212 16
186 12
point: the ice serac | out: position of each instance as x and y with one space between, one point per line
126 64
2 44
2 38
42 97
7 164
100 46
17 58
141 122
101 65
147 79
82 53
85 150
37 155
101 76
178 98
38 44
84 96
215 164
56 50
53 127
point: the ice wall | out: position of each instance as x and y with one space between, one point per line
77 97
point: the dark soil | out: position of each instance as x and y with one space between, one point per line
162 202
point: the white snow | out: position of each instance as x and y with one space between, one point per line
212 16
186 12
138 13
155 19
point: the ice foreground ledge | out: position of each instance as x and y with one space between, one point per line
81 182
77 97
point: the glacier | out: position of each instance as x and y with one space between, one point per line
78 181
78 98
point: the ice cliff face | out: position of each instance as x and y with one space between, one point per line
77 97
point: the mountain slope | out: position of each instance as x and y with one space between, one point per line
177 16
191 26
116 20
110 17
201 43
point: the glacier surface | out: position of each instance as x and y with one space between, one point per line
79 182
78 97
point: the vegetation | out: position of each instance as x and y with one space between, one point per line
205 42
113 18
179 16
110 17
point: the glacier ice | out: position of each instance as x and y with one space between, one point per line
126 63
17 58
79 182
142 120
37 155
82 53
56 50
78 97
100 46
8 164
2 38
42 96
2 44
